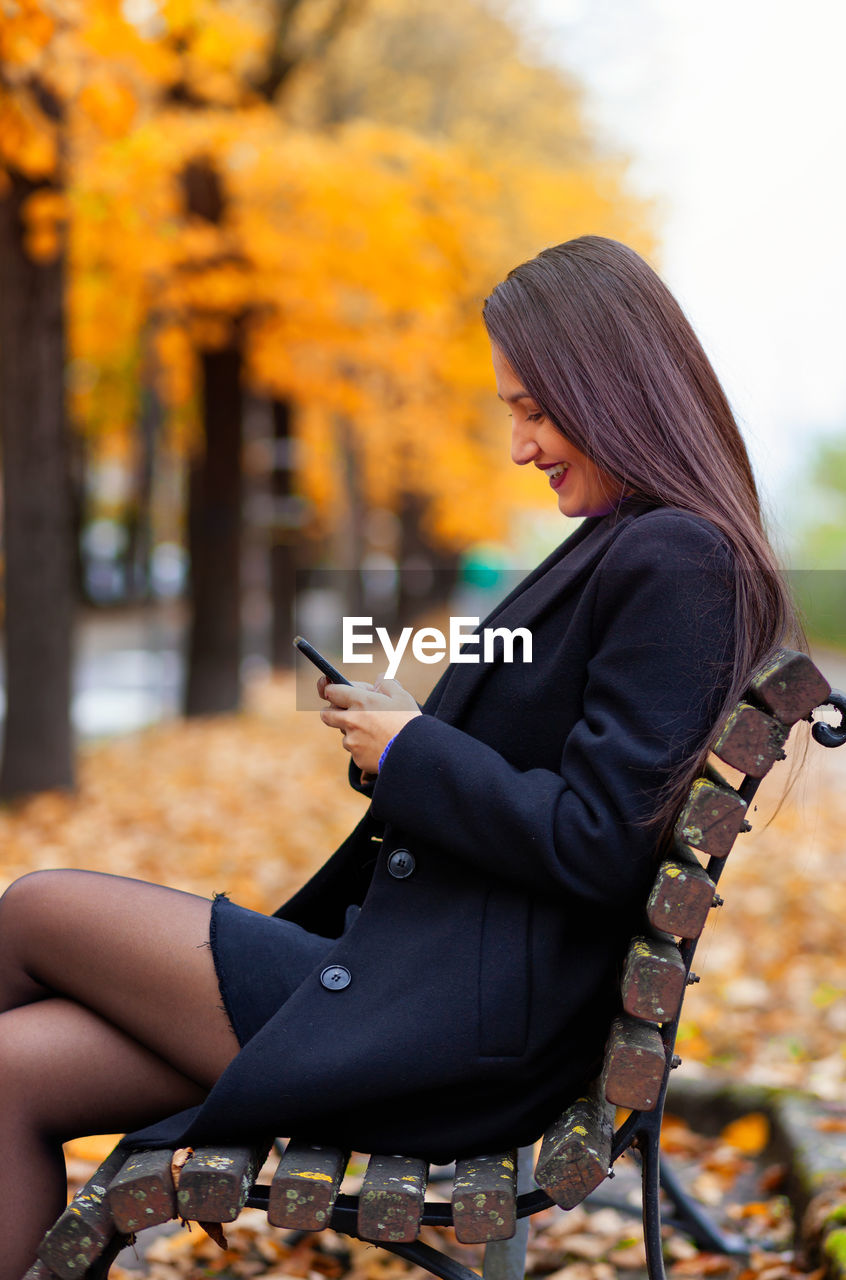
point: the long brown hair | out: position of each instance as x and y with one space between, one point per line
603 347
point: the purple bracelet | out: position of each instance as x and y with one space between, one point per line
384 753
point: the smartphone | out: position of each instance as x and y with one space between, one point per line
323 664
335 677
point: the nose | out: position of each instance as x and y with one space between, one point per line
524 447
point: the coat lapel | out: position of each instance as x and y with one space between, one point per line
546 586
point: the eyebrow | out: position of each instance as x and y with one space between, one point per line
521 395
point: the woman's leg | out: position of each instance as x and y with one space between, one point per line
64 1072
110 1017
137 954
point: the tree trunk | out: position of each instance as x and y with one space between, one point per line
427 574
283 548
349 528
77 475
214 543
139 520
38 745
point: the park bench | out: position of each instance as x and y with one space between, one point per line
494 1195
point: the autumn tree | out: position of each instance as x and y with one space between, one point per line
237 68
343 260
36 495
36 498
65 70
73 78
456 73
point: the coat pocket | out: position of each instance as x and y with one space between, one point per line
504 974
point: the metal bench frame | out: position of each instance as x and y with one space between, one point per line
84 1242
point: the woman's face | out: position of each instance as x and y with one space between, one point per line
582 488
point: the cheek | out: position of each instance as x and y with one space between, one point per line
601 481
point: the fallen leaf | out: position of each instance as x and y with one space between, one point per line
215 1232
704 1264
773 1178
93 1149
178 1161
573 1271
831 1124
587 1245
748 1134
629 1257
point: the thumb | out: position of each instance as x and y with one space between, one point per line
383 685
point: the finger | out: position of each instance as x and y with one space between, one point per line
321 685
390 688
340 695
335 718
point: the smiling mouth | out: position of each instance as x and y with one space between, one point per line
557 473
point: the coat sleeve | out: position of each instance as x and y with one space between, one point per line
662 648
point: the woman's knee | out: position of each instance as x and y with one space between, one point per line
38 887
29 899
31 913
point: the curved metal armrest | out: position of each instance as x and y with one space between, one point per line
829 735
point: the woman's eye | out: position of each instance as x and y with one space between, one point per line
534 417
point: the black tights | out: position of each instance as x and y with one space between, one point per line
110 1018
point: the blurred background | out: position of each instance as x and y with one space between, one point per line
243 250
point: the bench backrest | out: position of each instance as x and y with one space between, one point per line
577 1151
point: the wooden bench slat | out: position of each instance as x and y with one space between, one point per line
790 686
484 1198
710 818
39 1271
142 1193
85 1229
634 1064
390 1203
654 979
215 1182
751 741
681 897
305 1186
575 1153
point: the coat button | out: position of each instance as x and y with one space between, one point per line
335 977
401 863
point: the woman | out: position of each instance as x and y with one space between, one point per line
418 994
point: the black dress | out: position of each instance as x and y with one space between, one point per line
260 961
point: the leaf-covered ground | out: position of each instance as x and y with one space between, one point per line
250 804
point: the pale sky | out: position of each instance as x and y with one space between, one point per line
734 112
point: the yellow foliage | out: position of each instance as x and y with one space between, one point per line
176 363
351 262
108 103
42 245
45 206
28 140
25 32
44 214
206 333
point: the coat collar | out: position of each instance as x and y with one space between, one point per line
554 578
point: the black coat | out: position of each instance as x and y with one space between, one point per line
481 984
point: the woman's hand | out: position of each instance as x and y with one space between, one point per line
367 715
